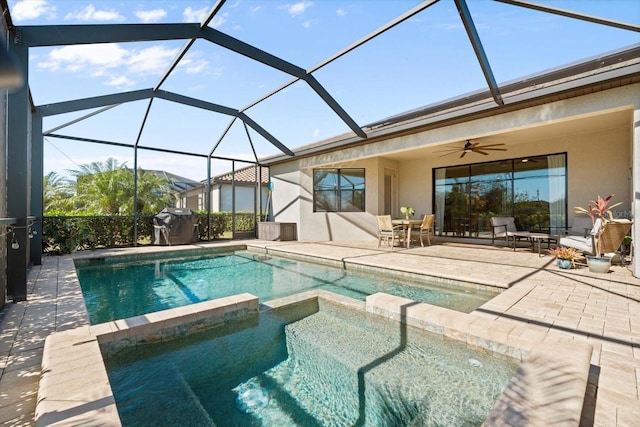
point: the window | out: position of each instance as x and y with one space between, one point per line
338 190
531 189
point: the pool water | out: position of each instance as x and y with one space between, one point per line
117 290
312 365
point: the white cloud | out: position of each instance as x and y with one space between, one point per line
299 8
194 15
316 133
120 82
218 20
306 24
32 9
79 57
115 65
148 16
90 13
152 60
341 12
192 63
196 67
197 88
255 9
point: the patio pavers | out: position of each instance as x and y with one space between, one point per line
541 303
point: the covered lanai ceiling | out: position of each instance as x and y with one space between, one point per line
239 84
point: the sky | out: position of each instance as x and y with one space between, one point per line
426 59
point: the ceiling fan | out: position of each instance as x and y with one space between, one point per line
474 147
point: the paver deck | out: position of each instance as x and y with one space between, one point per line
540 303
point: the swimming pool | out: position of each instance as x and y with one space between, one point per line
121 288
313 364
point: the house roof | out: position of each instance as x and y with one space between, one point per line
246 175
612 69
177 182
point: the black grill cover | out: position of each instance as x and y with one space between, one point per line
175 226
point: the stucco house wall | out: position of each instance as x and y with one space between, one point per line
595 130
245 198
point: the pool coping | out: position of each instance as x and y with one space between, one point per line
368 266
547 389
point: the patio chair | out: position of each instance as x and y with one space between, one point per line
427 228
612 236
503 226
607 239
585 243
386 230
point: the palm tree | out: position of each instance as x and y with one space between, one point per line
100 187
107 188
154 192
56 193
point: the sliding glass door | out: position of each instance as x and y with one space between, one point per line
531 189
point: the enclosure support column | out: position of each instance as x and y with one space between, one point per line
635 190
233 199
37 174
207 198
135 196
18 188
257 200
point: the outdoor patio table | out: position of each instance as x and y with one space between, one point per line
533 238
407 225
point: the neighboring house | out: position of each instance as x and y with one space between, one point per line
223 196
179 185
562 138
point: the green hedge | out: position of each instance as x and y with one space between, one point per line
65 234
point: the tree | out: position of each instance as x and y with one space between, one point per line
107 188
56 193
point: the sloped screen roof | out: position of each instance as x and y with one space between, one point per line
250 79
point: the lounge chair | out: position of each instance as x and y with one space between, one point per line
386 230
427 228
583 242
580 226
601 239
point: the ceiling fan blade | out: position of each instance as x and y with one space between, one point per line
480 152
492 149
490 145
450 150
463 154
447 154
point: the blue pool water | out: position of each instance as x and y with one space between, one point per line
117 290
315 364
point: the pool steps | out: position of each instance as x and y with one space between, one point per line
548 388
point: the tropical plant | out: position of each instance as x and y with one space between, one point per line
562 252
56 193
107 188
599 208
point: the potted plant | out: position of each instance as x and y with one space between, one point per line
626 245
599 209
407 211
565 257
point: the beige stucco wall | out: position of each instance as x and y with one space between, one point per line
599 162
